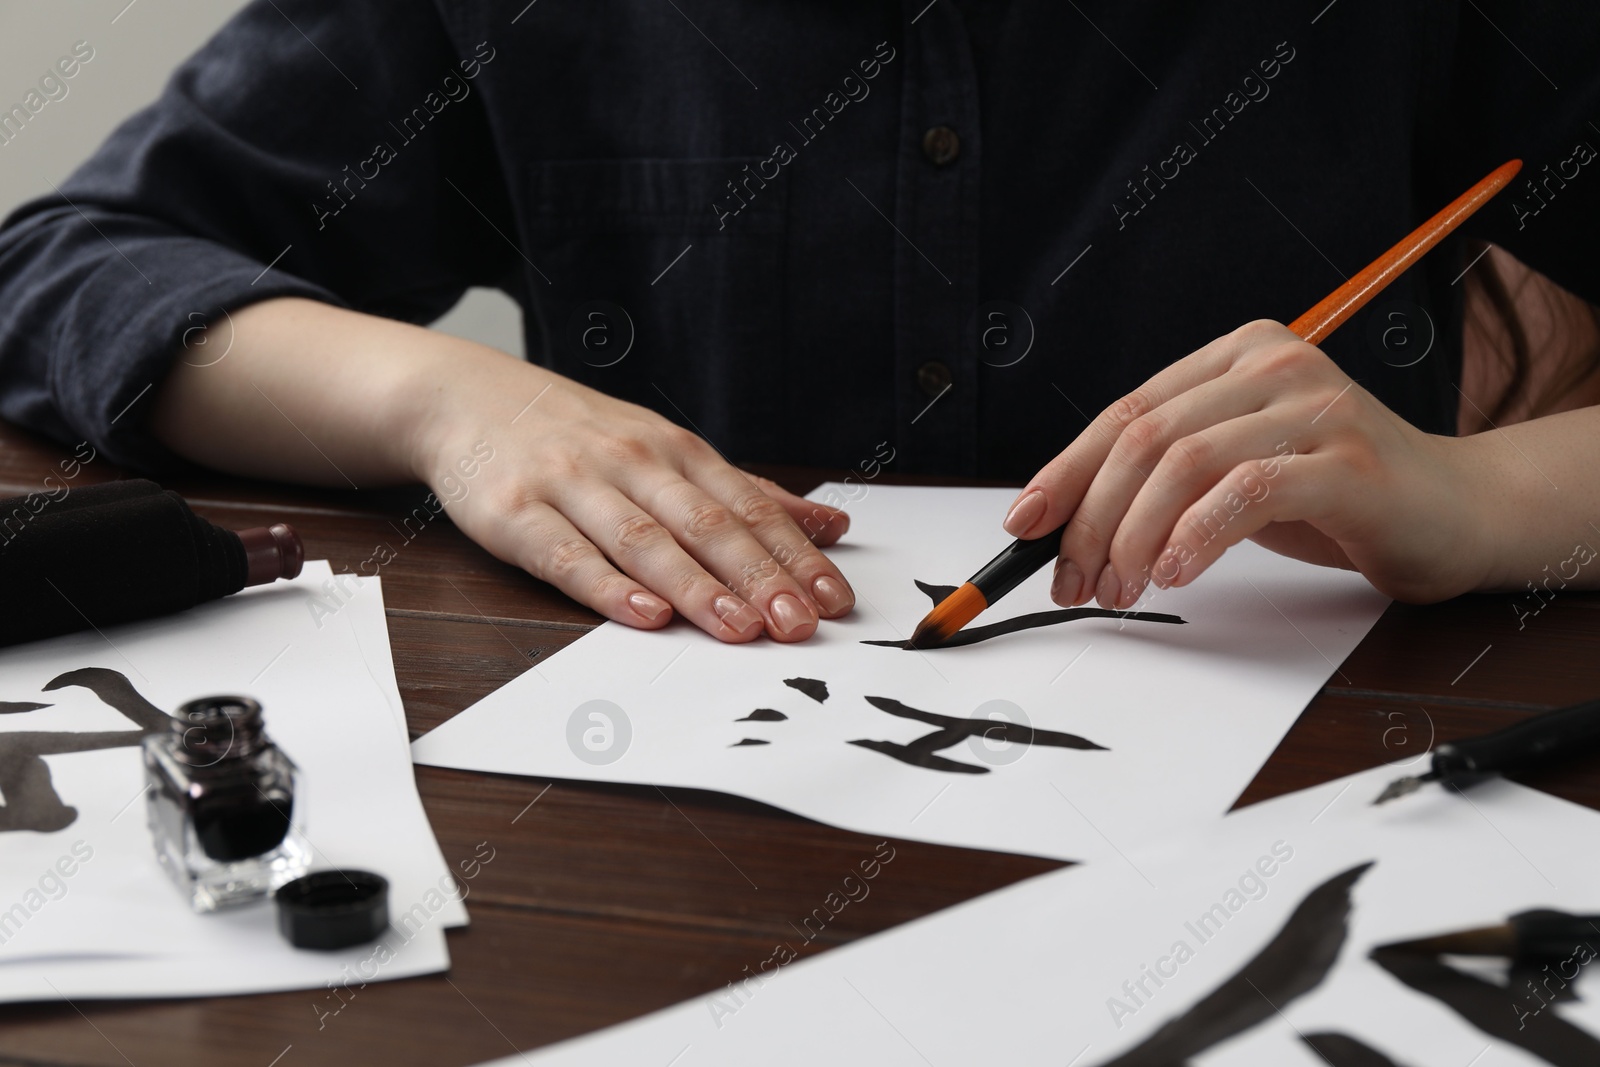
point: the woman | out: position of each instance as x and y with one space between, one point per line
824 232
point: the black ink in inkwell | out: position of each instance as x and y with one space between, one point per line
222 804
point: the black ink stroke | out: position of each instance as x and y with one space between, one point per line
31 800
764 715
1491 1008
952 731
1342 1050
920 753
811 687
749 741
114 689
1293 963
973 634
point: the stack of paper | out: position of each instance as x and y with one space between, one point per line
84 909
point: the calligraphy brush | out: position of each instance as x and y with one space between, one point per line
1532 935
1543 738
1022 558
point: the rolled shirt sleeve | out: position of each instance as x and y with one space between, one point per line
277 162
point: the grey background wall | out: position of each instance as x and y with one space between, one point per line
136 46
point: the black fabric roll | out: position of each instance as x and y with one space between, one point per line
107 554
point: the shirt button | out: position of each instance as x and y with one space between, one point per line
934 378
941 145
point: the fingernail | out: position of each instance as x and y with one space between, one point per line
1024 513
789 615
1107 588
1132 590
648 607
1068 584
833 595
735 614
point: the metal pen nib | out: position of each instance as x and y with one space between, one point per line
1402 786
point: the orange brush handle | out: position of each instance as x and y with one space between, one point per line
1353 295
1023 558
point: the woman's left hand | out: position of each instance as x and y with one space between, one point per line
1257 435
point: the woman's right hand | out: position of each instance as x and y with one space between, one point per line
623 510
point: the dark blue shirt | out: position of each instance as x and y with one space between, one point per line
807 227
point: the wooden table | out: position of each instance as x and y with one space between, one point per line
604 902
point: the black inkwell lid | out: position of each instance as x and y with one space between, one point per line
333 909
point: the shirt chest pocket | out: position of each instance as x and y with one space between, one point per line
665 281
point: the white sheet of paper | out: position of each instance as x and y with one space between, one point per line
116 926
1030 974
1186 712
363 603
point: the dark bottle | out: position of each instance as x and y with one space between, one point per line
222 804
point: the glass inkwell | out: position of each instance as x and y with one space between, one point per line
222 805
